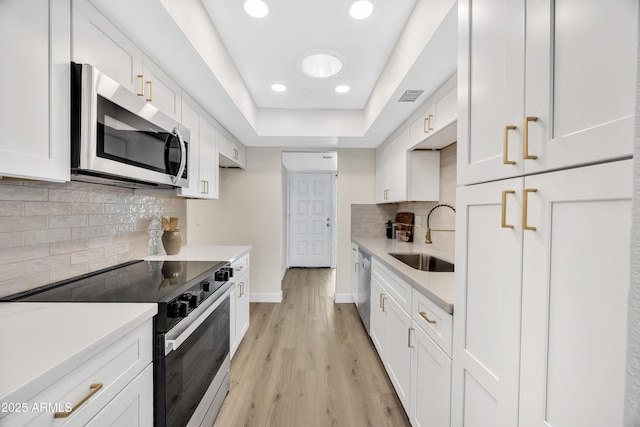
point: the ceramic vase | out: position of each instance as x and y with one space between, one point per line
172 241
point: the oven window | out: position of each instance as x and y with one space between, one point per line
127 138
191 368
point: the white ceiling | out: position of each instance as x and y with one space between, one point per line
268 50
227 61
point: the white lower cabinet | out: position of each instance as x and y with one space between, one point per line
355 268
240 302
419 369
430 382
115 387
541 318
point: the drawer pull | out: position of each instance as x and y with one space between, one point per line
94 389
383 300
424 316
409 338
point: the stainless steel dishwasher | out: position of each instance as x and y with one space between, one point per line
364 288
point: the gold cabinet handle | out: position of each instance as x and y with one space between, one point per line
355 267
241 288
381 296
525 208
505 146
429 122
239 268
150 98
94 389
503 221
525 138
424 316
409 338
384 298
141 77
424 125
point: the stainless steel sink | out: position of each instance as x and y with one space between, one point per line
423 262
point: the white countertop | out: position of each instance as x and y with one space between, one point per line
204 253
436 286
43 342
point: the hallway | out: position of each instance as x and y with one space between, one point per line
308 362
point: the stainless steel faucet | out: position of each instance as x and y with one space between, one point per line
429 230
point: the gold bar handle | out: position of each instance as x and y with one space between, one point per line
94 389
241 288
409 338
355 267
503 221
525 208
505 146
141 77
383 300
150 83
424 316
525 138
381 296
429 121
424 126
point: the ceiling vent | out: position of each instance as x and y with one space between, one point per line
410 95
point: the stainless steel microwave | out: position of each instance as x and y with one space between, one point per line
118 138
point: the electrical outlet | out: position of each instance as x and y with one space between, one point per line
418 221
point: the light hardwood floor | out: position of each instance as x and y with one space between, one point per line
308 362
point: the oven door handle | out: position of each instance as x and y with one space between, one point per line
183 156
174 342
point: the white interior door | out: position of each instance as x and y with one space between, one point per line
311 219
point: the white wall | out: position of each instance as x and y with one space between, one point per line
250 211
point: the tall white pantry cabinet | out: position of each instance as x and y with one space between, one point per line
545 133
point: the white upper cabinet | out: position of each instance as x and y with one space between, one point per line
403 175
35 102
203 159
232 153
433 126
96 41
574 107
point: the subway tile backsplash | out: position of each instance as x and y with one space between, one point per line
51 232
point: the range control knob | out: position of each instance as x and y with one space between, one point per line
183 309
222 275
206 286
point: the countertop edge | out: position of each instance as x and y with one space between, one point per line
204 253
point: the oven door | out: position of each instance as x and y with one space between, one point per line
192 364
120 135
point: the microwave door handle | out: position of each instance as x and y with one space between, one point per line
183 156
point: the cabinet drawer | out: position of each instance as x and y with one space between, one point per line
240 265
436 322
394 285
114 369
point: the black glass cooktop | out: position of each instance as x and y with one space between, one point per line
139 281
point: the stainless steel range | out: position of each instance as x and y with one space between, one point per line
191 354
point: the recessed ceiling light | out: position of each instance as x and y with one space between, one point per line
360 9
278 87
256 8
321 63
342 89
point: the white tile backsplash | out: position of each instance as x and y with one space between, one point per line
51 232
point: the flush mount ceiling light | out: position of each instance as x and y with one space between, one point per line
360 9
278 87
342 89
256 8
321 63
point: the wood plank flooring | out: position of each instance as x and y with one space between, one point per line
308 362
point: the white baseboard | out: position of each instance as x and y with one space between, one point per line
343 299
273 297
284 271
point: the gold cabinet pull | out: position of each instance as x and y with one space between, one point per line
241 284
141 77
525 208
381 296
429 128
384 298
424 316
503 221
525 138
150 98
355 267
505 146
94 389
409 338
424 126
